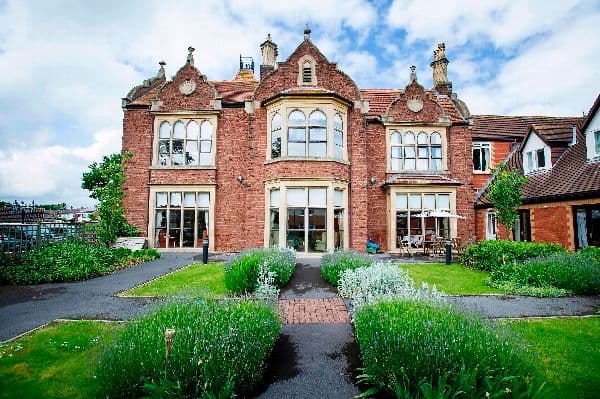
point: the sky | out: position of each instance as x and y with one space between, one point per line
65 65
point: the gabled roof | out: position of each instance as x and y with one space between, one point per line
509 128
591 114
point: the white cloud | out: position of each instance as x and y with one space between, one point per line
52 173
503 22
558 76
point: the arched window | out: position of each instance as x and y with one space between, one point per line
164 143
396 151
296 134
276 136
436 151
206 136
185 143
338 137
422 151
317 146
177 144
409 151
191 144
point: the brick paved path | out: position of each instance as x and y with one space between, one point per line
306 311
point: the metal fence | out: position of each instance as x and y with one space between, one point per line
22 237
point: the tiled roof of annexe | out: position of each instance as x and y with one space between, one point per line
572 176
503 127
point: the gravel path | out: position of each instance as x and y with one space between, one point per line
311 360
23 308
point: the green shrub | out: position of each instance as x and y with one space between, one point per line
70 260
241 272
415 350
591 251
573 273
489 254
218 351
334 264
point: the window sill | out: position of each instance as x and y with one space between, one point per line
183 168
418 172
482 172
309 159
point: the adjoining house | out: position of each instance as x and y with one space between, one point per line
561 198
300 157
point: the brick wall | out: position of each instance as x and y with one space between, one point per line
137 138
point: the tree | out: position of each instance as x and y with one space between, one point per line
105 182
506 196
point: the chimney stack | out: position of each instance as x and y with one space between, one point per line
269 54
440 71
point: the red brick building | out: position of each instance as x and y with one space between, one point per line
561 198
300 157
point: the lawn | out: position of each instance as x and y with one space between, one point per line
195 279
568 353
54 362
452 279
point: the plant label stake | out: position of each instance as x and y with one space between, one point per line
169 334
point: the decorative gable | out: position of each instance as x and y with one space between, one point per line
189 90
414 104
307 71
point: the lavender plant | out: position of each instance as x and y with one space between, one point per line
382 281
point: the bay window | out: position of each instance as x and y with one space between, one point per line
309 217
420 217
308 130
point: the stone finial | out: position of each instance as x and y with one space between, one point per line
269 52
413 74
190 57
440 53
307 32
161 70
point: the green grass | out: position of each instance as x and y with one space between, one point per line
54 362
195 279
453 279
568 353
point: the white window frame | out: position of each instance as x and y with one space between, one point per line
186 118
482 147
491 229
422 190
330 107
210 189
284 185
416 130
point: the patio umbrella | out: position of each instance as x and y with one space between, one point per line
444 214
